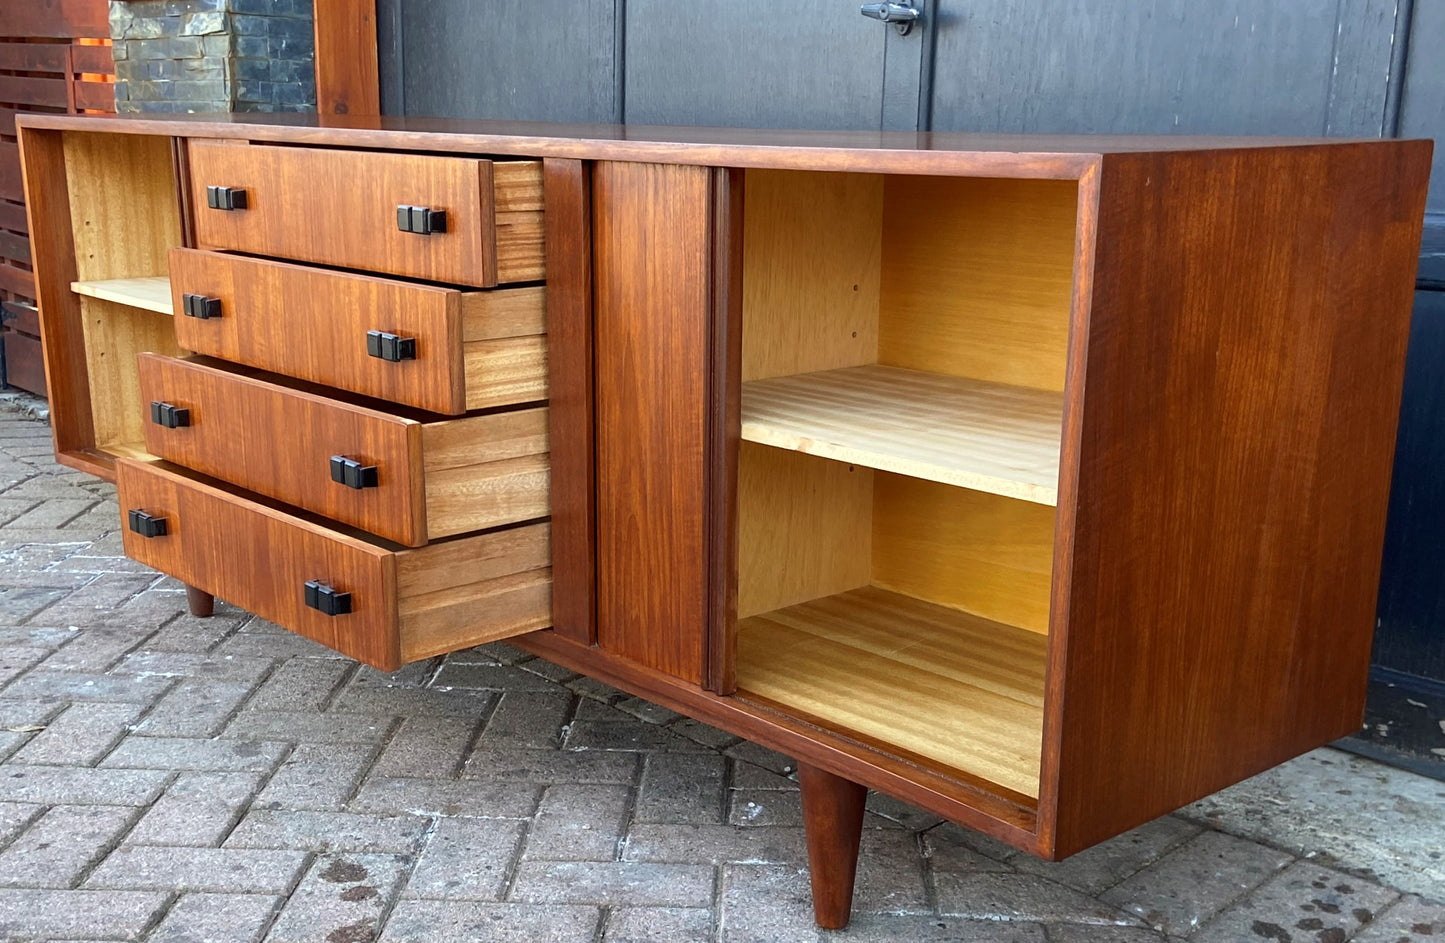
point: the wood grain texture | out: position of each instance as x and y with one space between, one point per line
833 822
977 278
62 325
473 349
968 550
962 800
347 75
434 479
970 433
520 229
724 423
406 604
651 232
1244 363
571 408
459 593
339 208
931 683
1015 156
507 370
486 470
805 528
63 19
152 293
101 206
123 207
260 559
278 442
114 336
812 251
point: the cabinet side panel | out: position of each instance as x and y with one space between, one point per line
1242 382
651 231
52 252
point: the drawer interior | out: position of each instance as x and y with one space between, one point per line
904 342
125 216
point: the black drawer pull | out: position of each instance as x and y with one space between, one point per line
351 473
226 198
326 600
200 306
420 219
172 417
147 525
391 347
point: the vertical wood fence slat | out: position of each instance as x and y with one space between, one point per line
48 47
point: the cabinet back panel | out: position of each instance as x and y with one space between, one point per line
812 247
123 204
971 550
114 334
804 528
977 277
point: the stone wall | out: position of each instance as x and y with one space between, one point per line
193 56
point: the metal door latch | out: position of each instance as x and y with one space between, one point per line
200 306
901 15
326 600
147 525
226 198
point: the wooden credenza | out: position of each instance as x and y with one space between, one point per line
1038 482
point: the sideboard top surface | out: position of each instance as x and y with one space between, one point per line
1058 156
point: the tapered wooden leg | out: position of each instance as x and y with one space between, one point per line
833 823
201 602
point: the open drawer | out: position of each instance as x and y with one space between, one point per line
402 475
458 220
448 351
379 604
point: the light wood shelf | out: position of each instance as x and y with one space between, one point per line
151 294
986 436
940 684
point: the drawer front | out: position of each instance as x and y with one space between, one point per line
341 208
279 442
404 605
261 559
470 350
402 479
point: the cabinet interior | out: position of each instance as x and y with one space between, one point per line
903 350
125 217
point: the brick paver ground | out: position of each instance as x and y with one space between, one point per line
166 778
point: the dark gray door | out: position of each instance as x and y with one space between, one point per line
540 60
801 64
1288 67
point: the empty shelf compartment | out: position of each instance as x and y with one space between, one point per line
948 688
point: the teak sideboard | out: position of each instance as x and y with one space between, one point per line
1038 482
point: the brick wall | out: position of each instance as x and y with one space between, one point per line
193 56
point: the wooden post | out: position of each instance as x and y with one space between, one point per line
347 78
